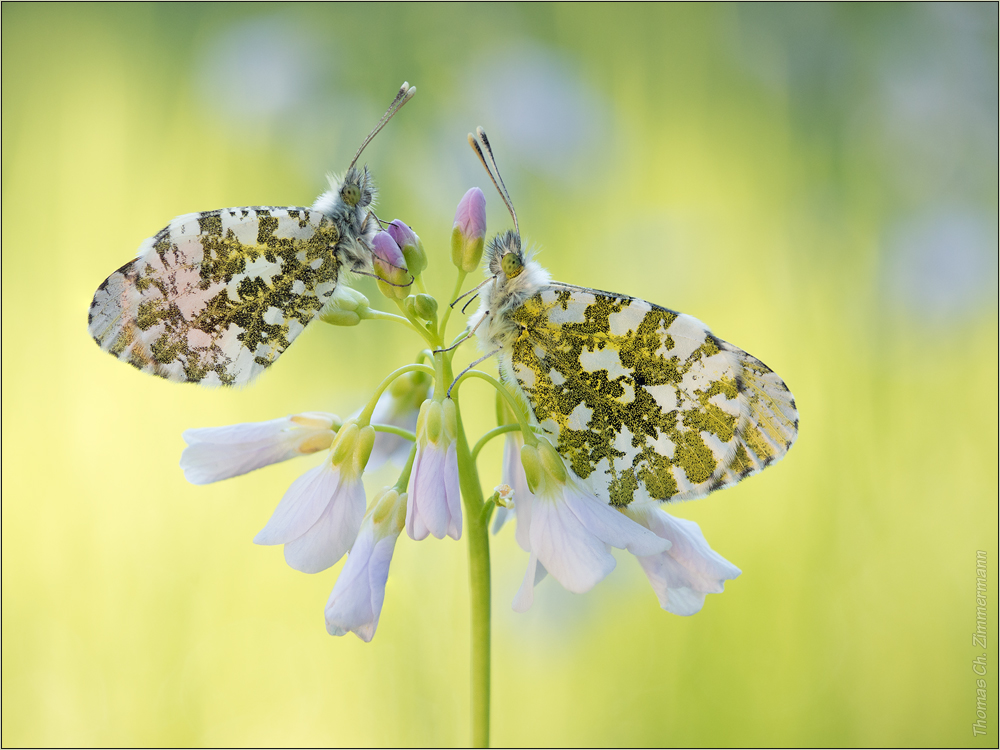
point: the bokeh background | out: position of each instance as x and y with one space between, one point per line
818 183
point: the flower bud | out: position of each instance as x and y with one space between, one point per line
469 230
411 246
425 306
346 308
390 266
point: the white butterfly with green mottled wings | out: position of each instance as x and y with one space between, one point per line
644 403
216 297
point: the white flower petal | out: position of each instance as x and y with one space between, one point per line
204 462
247 432
611 526
690 569
216 453
532 577
454 495
302 505
434 501
356 600
573 555
500 517
332 535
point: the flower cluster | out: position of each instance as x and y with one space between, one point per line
412 422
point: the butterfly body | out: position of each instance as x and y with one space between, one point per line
215 297
644 403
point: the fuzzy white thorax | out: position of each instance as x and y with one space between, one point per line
504 294
356 229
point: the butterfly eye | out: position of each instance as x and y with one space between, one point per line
511 265
351 194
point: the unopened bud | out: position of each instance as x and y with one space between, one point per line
469 231
390 267
347 307
426 306
410 245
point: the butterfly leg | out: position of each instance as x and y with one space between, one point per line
481 359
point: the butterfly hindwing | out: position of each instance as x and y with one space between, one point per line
216 297
644 402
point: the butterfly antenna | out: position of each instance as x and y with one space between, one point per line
406 92
474 289
503 191
493 160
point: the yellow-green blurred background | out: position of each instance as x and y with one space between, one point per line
818 183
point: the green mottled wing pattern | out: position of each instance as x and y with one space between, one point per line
216 297
643 402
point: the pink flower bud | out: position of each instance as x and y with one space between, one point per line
469 230
390 267
412 247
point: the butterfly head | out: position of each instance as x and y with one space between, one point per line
357 190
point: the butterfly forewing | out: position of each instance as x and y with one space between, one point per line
645 403
216 297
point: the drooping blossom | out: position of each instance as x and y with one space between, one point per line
568 529
356 600
434 504
217 453
682 575
319 517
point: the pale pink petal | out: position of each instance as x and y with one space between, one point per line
573 555
690 569
434 503
356 600
611 526
332 535
454 495
302 505
532 577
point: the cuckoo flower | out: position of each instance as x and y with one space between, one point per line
319 517
568 529
469 230
356 600
511 474
216 453
682 575
434 505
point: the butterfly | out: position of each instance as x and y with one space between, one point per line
644 403
215 297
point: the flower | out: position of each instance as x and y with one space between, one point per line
511 474
390 267
568 530
682 575
410 245
434 503
319 517
216 453
469 230
356 600
398 406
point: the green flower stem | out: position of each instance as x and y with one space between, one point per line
522 420
366 415
487 437
447 313
429 336
393 430
404 475
477 524
380 315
